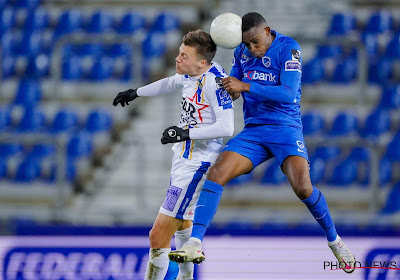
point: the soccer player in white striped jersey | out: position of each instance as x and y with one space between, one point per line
206 117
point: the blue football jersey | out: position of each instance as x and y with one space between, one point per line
275 82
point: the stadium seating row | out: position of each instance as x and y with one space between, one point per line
31 45
331 165
380 36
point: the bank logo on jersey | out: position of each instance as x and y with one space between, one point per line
266 61
260 76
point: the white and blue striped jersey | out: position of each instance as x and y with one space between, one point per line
206 110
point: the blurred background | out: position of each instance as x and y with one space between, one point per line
72 164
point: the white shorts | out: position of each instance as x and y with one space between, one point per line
184 188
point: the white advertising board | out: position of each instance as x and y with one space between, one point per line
124 258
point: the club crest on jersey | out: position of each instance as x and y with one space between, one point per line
300 144
266 61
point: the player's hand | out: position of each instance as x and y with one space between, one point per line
234 86
174 134
124 97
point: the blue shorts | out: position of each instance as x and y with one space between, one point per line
262 142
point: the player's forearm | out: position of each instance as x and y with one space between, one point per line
282 93
223 127
159 87
285 93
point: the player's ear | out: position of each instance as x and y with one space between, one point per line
203 63
267 30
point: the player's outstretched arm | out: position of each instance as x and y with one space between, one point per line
174 134
124 97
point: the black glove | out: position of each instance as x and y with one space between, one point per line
124 97
174 134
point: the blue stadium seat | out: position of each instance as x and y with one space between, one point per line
27 4
392 152
69 21
328 51
70 171
345 123
317 170
380 21
3 169
79 146
121 49
28 170
273 174
390 98
326 152
377 123
92 49
313 71
342 24
101 21
370 41
313 122
380 71
385 171
393 48
72 69
154 45
98 120
31 44
5 118
38 66
102 69
33 120
127 73
392 204
40 151
66 120
166 21
131 22
10 42
345 71
8 66
7 19
28 93
360 154
10 149
36 20
345 173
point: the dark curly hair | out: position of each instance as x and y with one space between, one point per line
251 20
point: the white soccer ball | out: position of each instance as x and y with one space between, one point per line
226 30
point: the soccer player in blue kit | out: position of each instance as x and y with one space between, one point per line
266 71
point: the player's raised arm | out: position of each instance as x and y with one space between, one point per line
160 87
